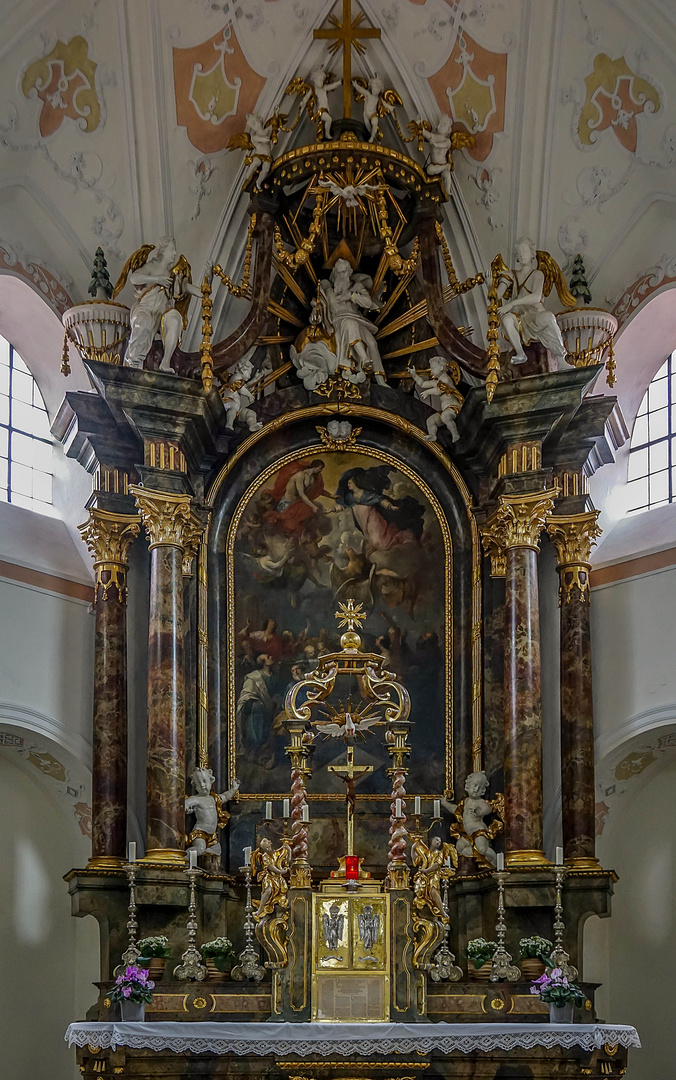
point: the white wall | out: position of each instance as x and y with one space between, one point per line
48 959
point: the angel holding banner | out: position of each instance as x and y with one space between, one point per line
162 286
523 316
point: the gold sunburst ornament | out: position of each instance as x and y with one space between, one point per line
350 615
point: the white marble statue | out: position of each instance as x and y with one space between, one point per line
236 394
340 338
439 392
377 102
319 91
162 290
473 835
440 141
523 316
260 149
210 813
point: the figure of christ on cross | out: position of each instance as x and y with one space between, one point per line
349 772
347 35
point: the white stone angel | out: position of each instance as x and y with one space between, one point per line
162 289
210 813
257 140
439 392
442 141
523 315
236 394
473 835
378 102
315 97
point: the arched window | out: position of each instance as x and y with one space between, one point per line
652 455
25 440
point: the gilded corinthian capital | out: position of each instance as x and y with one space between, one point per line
517 522
108 537
169 520
573 538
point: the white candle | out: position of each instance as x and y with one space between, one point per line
397 808
559 856
501 861
285 808
306 812
268 810
193 858
247 856
437 808
416 805
131 853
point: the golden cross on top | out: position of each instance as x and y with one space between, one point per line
350 615
347 35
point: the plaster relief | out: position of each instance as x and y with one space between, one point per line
615 97
64 81
472 85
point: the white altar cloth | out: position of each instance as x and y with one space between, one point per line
310 1040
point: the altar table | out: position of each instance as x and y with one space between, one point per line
321 1040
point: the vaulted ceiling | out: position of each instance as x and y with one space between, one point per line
114 120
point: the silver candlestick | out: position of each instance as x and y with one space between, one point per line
503 968
191 966
560 958
444 965
249 966
131 953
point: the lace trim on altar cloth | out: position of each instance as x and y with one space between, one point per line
314 1040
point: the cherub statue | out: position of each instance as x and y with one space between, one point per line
439 392
378 102
209 810
257 141
315 98
236 394
432 867
443 140
473 836
271 868
523 316
163 286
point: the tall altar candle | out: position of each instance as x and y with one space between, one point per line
247 856
285 808
501 862
416 806
437 808
306 812
559 856
268 811
131 851
397 808
192 855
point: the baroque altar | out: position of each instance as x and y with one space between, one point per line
328 524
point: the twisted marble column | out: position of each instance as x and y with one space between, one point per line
301 741
108 536
172 527
573 538
515 528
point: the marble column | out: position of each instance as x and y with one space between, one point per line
108 536
573 538
172 527
515 528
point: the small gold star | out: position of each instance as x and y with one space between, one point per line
350 615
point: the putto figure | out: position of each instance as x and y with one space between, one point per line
473 836
236 395
439 392
523 316
257 141
315 99
163 286
209 810
442 141
378 102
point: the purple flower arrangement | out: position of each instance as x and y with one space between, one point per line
556 989
133 985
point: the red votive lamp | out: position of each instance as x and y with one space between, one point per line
351 867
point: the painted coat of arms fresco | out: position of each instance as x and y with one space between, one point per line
313 531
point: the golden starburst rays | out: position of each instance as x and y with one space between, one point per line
350 615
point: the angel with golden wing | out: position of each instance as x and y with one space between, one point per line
257 141
314 98
162 284
523 315
443 140
378 102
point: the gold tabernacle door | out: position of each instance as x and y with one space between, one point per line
351 954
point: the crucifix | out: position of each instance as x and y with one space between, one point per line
349 772
347 35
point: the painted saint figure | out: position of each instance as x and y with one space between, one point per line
256 706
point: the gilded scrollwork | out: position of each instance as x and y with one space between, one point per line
271 868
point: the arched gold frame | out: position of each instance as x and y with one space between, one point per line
327 411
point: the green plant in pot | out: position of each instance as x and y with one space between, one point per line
536 955
133 990
217 955
560 994
480 952
154 954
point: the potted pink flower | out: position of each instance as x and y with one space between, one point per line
560 994
133 990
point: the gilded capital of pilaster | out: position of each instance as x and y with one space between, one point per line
517 522
496 553
170 520
574 538
108 536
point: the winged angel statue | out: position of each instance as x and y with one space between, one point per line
523 316
378 102
162 284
